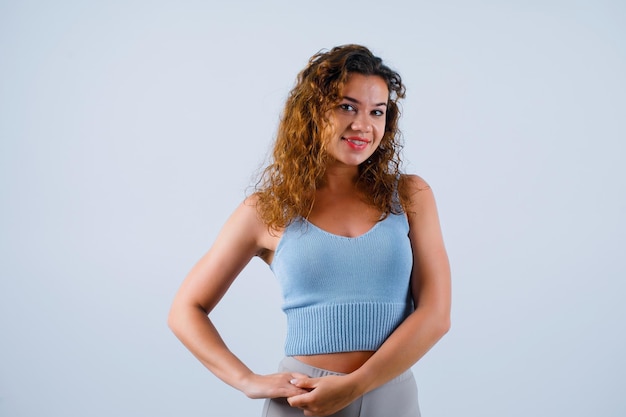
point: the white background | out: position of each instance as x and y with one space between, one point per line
131 129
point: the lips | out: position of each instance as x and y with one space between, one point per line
356 142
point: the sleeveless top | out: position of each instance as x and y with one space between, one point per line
343 294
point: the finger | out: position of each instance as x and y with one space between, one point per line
307 383
296 377
290 390
299 400
281 387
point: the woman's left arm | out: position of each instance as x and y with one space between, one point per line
430 286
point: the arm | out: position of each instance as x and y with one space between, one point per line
430 286
208 281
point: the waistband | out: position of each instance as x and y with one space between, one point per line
294 365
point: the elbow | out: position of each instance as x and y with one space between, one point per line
444 326
174 320
182 315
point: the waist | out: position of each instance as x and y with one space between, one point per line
341 328
342 362
293 364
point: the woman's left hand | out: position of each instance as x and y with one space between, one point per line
326 395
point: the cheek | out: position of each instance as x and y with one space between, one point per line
380 130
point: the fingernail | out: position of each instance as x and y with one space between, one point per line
293 381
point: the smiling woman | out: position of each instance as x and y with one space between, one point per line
354 243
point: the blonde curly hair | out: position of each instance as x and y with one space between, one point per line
286 189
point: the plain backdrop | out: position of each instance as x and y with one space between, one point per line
130 130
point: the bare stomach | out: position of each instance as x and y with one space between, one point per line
343 362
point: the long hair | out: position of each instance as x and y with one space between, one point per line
286 189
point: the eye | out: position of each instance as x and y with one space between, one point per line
347 107
378 113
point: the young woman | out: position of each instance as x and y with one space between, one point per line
355 244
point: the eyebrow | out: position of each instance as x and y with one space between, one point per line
353 100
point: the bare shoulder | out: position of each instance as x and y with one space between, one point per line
421 210
246 218
248 207
414 182
265 239
416 192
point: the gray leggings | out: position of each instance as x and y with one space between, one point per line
397 398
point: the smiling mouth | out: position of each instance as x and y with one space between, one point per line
356 141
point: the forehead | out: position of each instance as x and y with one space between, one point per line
366 88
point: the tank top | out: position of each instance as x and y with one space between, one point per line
343 294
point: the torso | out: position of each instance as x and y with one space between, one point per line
339 214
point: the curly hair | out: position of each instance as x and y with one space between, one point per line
286 189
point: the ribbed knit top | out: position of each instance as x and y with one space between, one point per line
343 294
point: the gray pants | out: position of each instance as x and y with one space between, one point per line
397 398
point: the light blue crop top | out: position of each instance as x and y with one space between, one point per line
343 294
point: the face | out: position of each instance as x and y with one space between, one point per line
358 121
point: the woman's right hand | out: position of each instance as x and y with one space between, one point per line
272 386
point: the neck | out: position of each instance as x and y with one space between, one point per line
338 178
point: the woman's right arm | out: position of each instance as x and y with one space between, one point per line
238 241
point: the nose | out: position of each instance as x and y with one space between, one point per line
361 123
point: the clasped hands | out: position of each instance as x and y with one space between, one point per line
325 395
318 397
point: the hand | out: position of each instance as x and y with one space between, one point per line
326 395
272 386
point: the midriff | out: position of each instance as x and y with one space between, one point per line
342 362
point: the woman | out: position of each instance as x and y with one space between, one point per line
355 245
